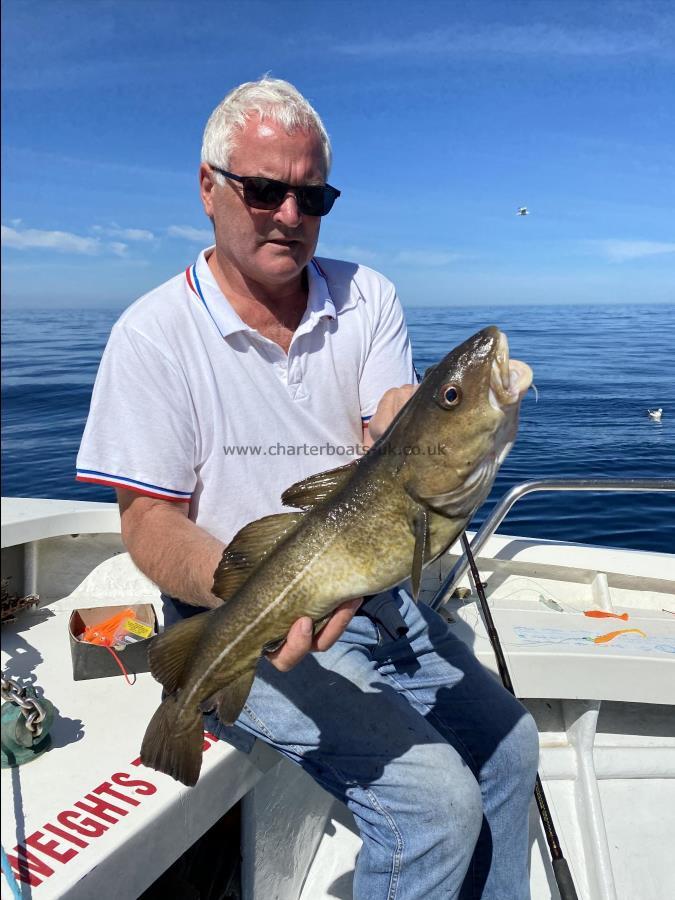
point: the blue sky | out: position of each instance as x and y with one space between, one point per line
444 116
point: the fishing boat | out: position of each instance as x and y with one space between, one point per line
588 633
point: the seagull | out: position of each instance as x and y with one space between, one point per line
522 211
655 414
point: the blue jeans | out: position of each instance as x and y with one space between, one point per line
435 759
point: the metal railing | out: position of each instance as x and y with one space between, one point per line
492 523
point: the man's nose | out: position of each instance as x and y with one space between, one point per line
288 211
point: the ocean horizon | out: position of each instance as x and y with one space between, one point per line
597 368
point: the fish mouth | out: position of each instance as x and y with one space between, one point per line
509 378
491 434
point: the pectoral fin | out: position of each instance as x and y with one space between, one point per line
321 623
273 645
421 532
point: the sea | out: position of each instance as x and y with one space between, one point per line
597 369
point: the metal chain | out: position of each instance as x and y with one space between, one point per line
34 714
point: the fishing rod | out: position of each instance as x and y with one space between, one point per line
561 869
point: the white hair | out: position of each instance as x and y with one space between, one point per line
270 98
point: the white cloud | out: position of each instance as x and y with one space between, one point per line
621 251
63 241
126 234
189 233
60 241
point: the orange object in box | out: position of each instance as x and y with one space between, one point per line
107 633
94 660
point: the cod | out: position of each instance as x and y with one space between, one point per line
354 531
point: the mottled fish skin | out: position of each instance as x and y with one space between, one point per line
422 481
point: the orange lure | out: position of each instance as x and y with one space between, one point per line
603 638
601 614
105 633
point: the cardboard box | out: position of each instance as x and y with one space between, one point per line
93 661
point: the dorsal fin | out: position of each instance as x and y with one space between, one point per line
313 490
169 651
247 550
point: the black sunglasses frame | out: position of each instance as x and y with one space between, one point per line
312 199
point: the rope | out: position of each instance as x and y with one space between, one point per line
121 665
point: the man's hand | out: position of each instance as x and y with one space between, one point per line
387 409
300 639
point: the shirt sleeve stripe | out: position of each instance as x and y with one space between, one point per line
366 419
130 487
122 481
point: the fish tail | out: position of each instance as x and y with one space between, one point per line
167 749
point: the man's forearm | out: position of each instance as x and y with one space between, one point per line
179 556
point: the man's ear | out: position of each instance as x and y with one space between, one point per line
207 184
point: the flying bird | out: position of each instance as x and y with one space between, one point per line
522 211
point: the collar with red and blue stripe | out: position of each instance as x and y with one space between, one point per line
193 283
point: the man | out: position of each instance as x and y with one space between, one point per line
206 386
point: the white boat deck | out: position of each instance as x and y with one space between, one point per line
90 821
133 822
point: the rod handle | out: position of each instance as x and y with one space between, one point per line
563 878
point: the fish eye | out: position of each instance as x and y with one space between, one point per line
449 395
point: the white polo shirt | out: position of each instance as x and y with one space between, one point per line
191 404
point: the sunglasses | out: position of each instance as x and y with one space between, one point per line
266 193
